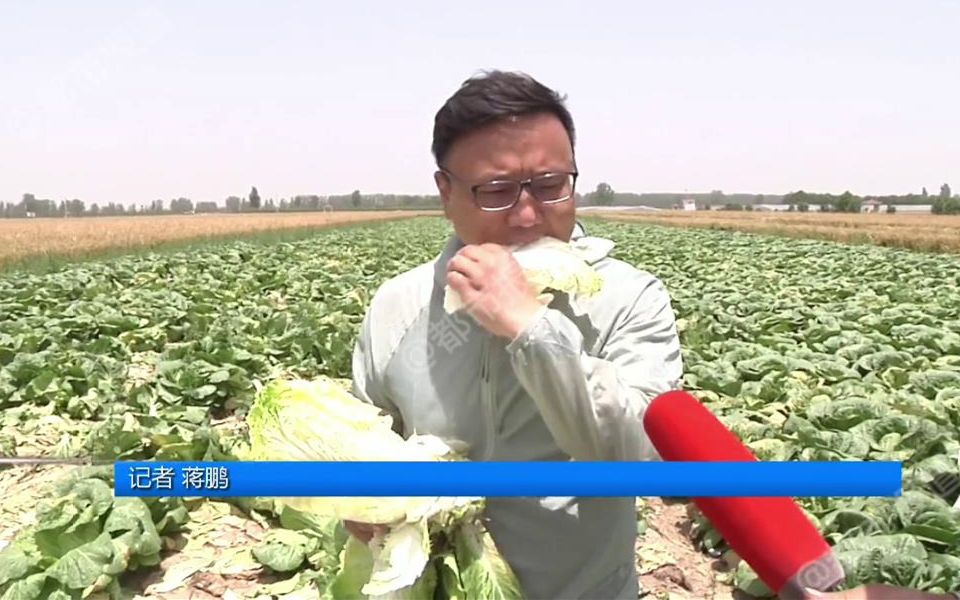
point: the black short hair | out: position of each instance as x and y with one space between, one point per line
490 97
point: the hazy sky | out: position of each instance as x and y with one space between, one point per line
132 101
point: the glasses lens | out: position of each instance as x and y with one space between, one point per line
496 194
552 187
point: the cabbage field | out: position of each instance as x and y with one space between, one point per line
808 350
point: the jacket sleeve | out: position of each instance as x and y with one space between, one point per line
368 377
594 406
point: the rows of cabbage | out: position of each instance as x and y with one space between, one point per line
158 356
817 351
808 350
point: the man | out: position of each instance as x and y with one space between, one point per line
512 379
515 380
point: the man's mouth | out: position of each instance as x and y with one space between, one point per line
524 238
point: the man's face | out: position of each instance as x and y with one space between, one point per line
517 148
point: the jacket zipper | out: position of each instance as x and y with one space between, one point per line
487 397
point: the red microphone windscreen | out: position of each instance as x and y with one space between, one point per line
772 535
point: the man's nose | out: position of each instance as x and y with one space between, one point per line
527 210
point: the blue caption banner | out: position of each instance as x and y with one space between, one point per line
501 479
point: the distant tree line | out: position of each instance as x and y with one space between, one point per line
845 202
31 206
943 203
799 201
603 195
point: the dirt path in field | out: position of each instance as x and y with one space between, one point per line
211 559
670 566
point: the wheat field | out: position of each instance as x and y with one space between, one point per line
936 233
23 239
32 239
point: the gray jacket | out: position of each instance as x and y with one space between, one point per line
574 385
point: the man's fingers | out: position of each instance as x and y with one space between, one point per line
364 531
359 530
464 270
480 252
471 252
470 295
463 286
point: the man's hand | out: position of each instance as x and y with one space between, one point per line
363 531
493 288
878 592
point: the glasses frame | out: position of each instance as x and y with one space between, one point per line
521 185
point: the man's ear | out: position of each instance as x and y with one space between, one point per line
443 187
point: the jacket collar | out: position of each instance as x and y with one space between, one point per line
454 244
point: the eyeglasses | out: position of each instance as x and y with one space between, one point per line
503 194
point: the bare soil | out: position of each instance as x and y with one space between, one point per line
669 564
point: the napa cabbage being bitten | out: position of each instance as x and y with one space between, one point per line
319 420
548 264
